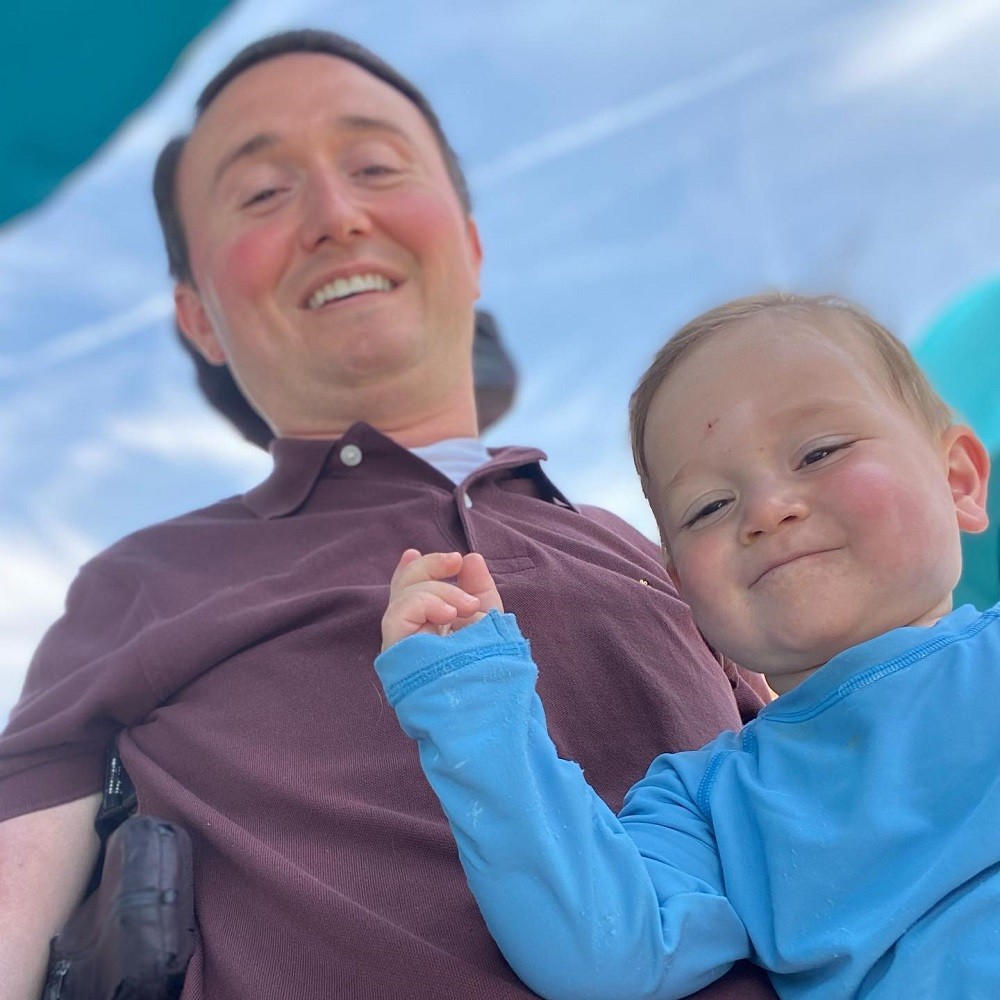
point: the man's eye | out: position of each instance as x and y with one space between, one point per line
260 196
377 170
707 511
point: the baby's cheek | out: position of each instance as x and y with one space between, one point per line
889 510
865 490
705 586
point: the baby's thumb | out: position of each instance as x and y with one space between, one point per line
475 578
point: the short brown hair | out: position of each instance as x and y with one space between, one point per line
904 379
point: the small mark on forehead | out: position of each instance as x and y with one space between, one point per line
710 425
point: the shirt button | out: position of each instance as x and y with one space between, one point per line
467 500
351 455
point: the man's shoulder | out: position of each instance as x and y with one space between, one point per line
602 515
174 535
620 527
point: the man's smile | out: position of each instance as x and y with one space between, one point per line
343 288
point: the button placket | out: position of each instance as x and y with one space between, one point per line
464 505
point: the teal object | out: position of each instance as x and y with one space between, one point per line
961 355
980 582
71 72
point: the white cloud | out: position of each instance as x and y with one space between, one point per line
914 40
184 436
91 337
609 122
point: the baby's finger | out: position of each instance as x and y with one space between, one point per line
464 603
416 611
475 578
444 589
421 568
409 556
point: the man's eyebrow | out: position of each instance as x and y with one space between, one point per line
254 144
363 123
264 140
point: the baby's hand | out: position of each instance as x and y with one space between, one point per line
421 599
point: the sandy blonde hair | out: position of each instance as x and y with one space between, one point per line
904 379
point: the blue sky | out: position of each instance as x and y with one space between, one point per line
631 163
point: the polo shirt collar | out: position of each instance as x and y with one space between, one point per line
299 463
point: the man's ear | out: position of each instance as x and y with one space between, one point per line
968 473
477 248
194 323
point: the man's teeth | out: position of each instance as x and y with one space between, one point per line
342 288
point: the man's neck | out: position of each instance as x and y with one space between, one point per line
408 427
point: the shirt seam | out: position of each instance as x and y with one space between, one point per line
398 690
147 618
864 679
889 667
707 780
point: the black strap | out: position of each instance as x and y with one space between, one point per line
118 802
119 799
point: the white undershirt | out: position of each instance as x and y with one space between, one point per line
454 458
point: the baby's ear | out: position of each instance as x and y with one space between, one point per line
968 472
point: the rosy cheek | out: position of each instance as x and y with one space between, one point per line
868 490
426 219
250 262
882 510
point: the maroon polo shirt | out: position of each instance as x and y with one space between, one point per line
230 651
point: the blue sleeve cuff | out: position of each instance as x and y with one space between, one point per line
421 659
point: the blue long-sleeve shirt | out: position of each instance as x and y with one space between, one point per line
847 840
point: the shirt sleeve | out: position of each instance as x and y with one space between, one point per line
582 904
83 686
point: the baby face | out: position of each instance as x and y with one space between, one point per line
803 509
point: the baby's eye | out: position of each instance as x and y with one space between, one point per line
713 507
818 454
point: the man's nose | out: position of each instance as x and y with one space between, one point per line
769 508
331 212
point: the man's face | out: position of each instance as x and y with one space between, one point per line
804 510
335 269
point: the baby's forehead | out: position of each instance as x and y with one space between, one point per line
807 324
811 338
775 372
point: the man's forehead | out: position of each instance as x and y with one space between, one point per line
291 80
273 99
